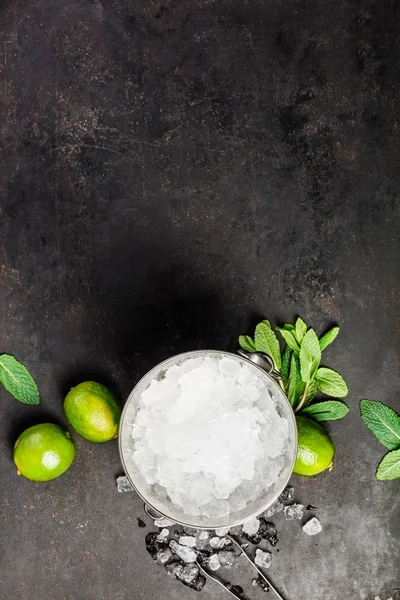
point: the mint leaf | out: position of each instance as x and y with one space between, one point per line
326 411
17 380
296 384
266 341
285 364
310 355
389 467
301 329
311 391
331 383
247 343
382 421
289 327
289 338
328 338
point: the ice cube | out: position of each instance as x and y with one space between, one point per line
213 562
187 540
186 554
251 527
123 484
312 527
293 511
263 559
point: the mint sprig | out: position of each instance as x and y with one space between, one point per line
299 366
17 380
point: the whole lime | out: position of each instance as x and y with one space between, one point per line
43 452
315 450
93 411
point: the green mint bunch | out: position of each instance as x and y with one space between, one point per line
17 380
299 366
385 425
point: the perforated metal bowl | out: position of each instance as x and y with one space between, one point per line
164 507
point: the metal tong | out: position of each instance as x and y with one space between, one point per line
253 564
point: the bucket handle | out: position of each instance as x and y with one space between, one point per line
265 362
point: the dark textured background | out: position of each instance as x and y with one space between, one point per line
169 173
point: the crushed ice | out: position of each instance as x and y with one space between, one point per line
204 431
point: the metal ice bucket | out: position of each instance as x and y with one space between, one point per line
159 505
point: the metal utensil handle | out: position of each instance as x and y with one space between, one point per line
217 580
263 360
268 582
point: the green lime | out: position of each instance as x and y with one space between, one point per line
315 450
93 411
44 452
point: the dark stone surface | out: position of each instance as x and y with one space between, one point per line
169 173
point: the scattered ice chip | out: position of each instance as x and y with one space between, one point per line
123 484
163 556
163 523
293 511
227 558
187 574
222 531
252 526
186 554
202 539
162 536
219 543
213 562
268 532
208 437
187 540
312 527
287 494
261 583
263 559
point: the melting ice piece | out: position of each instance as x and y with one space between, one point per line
293 511
312 527
123 484
251 527
263 559
186 554
163 522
